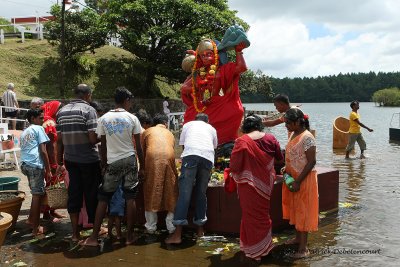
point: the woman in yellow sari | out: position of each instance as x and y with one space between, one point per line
300 203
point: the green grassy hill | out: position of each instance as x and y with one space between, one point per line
20 61
33 67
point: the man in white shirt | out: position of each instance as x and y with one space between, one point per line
10 100
199 140
118 157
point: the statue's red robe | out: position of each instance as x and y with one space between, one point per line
225 112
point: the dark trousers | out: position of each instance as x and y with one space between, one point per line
84 180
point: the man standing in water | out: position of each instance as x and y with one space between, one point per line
282 104
355 130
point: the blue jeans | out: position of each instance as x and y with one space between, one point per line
195 172
35 178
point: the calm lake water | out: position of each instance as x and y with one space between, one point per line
369 190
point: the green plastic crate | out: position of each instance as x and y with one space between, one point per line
9 183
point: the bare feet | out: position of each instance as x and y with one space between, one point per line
49 217
89 242
174 239
200 231
130 239
103 231
293 241
301 255
75 238
38 231
57 215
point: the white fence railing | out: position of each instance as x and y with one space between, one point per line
2 112
38 30
175 120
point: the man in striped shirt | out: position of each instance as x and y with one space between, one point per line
9 99
76 130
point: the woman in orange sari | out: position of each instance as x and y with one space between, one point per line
300 205
50 110
252 167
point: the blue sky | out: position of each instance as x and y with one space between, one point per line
317 30
298 38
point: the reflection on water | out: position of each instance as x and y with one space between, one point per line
355 173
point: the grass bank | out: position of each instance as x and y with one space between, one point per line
33 67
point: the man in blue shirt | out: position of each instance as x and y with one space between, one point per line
35 164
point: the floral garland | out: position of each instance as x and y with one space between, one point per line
212 72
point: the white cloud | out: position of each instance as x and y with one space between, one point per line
293 38
25 8
359 36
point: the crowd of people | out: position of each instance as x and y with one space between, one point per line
104 157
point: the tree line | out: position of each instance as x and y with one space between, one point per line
335 88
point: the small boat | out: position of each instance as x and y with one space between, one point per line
394 130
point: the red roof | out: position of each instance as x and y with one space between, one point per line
31 19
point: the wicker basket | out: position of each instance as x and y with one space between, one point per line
57 195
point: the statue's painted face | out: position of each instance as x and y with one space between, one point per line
207 57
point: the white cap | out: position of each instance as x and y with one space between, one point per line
10 86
